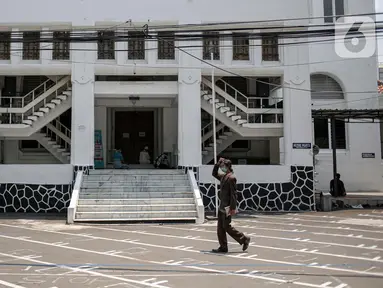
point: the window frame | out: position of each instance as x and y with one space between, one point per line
238 48
5 45
106 48
135 39
332 18
346 141
61 48
164 48
31 48
211 44
273 50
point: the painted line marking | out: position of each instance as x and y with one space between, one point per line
80 270
305 250
11 285
193 251
326 284
260 236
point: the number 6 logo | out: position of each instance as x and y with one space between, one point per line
355 37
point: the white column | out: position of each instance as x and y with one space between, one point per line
82 144
189 107
297 104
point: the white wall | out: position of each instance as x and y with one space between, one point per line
152 10
357 173
13 155
251 173
36 174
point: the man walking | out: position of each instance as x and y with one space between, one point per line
227 207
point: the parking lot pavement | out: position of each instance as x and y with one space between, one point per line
320 250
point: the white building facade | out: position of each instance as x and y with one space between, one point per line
61 94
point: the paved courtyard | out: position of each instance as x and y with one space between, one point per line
322 250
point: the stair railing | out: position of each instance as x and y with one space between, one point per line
240 104
35 101
58 133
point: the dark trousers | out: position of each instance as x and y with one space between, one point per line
223 227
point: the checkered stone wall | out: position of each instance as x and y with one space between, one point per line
34 198
296 195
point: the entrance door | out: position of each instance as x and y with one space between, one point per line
133 131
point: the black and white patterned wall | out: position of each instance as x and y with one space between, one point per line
34 198
296 195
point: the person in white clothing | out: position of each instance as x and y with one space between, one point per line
144 156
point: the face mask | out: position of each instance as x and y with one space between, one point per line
224 169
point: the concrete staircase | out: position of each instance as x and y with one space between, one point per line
136 195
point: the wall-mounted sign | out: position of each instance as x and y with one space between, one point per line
368 155
125 135
98 150
141 134
301 145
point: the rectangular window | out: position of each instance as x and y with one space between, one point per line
105 47
340 134
136 46
5 46
333 9
166 46
31 45
339 8
270 49
321 133
211 45
61 45
241 47
328 12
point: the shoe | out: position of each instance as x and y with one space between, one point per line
246 244
220 250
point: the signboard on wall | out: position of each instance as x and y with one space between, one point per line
301 145
98 150
368 155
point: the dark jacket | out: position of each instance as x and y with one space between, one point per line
228 189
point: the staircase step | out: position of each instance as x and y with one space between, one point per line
134 195
138 184
136 172
229 133
38 114
230 113
136 215
137 189
68 93
211 101
224 109
235 118
50 105
28 122
44 109
56 101
137 201
56 146
113 178
207 97
219 105
65 153
62 97
241 121
61 150
205 152
33 118
137 208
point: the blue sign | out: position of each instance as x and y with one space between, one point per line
98 150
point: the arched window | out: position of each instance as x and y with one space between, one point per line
325 87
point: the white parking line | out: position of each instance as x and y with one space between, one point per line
11 285
79 270
323 267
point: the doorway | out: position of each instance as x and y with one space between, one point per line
133 131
